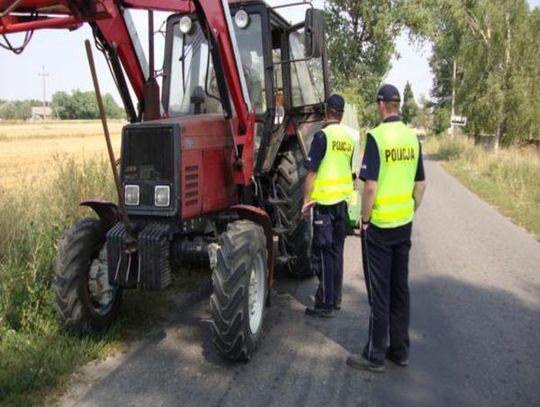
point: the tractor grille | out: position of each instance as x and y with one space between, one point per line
148 155
191 185
150 158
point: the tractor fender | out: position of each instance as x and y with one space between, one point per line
106 211
261 218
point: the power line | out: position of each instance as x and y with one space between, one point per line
44 75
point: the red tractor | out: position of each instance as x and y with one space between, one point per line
211 167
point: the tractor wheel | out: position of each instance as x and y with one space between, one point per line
290 188
239 278
84 299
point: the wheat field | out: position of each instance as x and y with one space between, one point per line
28 151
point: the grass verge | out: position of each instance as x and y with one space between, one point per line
36 357
508 179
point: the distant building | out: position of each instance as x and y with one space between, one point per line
41 113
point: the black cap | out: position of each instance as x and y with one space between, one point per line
336 102
388 93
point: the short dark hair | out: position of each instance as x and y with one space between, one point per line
392 107
333 114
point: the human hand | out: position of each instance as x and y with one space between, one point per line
306 209
365 223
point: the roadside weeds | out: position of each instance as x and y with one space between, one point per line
508 179
36 356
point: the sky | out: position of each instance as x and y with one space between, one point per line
63 56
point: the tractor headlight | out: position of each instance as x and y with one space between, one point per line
241 19
131 195
185 25
162 195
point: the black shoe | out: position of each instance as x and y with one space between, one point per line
360 362
320 312
337 305
401 362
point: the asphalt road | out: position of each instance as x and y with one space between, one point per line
475 330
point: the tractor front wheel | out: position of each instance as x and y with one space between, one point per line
239 278
84 299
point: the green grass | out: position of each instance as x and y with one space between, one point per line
36 356
509 179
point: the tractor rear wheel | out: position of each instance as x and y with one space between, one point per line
290 189
84 299
240 280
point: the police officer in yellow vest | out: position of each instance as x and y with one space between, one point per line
393 172
328 184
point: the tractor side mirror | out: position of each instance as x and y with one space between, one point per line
313 33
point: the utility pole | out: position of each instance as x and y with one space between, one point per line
43 74
453 100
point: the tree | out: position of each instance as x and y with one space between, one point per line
62 105
112 110
424 116
441 119
8 111
495 47
16 109
409 110
83 105
361 41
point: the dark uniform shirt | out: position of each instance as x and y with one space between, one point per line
371 161
316 152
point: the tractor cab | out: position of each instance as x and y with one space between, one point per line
283 71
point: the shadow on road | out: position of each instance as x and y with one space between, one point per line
470 346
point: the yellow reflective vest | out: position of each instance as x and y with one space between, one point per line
333 182
398 153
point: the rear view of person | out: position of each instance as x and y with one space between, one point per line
328 185
393 172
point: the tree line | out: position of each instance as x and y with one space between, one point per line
494 44
495 47
74 105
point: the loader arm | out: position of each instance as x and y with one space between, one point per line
114 30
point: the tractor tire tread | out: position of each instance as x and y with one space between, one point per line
75 253
229 322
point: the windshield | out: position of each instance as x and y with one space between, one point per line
192 90
193 87
307 78
250 46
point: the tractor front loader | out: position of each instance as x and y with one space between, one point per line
211 165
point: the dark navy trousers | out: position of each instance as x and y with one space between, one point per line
327 252
385 256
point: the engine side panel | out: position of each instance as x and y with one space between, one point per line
207 165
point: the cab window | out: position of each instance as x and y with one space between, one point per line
307 77
250 45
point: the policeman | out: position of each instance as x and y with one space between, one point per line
393 173
328 185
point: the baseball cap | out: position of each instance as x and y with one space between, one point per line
336 102
388 93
